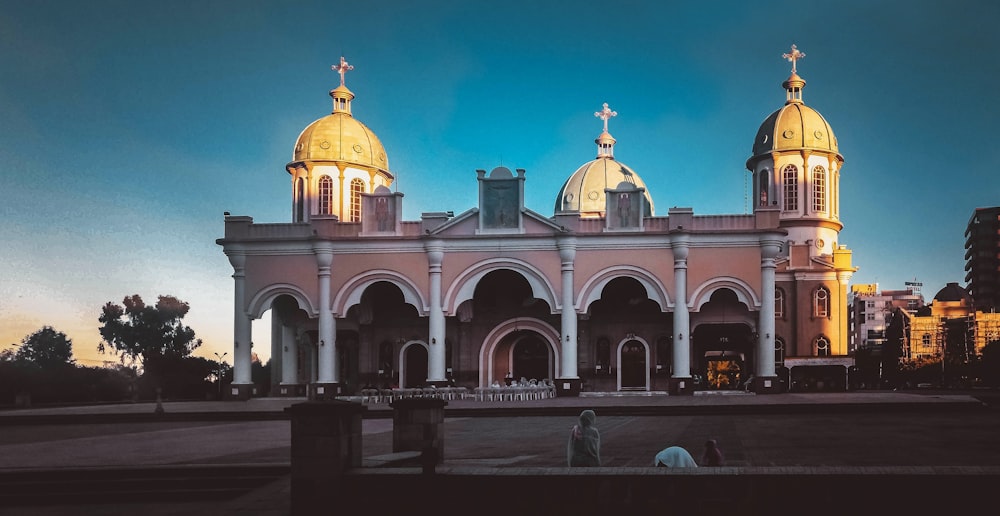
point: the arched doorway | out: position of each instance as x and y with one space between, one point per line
414 366
531 357
634 366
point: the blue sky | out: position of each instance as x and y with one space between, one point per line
127 127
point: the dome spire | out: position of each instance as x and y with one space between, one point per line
341 95
794 84
605 142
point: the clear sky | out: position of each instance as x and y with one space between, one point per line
128 127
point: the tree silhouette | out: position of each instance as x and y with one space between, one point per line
154 337
46 348
143 333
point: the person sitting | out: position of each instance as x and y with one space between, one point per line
674 457
712 455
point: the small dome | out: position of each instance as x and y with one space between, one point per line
340 137
583 192
952 292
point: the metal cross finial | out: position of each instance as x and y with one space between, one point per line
343 68
605 114
794 56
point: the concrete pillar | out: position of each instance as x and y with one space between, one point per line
680 379
242 386
418 425
568 381
436 348
326 442
766 380
327 385
289 362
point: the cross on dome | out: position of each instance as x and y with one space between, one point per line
345 67
794 56
605 114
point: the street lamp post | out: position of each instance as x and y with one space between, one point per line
220 357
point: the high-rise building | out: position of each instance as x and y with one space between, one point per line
982 258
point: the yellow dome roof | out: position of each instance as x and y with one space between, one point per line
795 126
340 137
583 192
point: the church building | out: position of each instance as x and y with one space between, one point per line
603 294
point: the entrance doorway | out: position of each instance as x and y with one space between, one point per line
531 358
415 366
633 366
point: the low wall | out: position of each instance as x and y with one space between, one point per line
726 490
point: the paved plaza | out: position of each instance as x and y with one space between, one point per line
864 429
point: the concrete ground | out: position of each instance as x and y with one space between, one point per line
858 429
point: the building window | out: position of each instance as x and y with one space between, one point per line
870 304
779 303
821 302
779 352
822 347
925 339
325 195
763 187
871 316
790 180
357 187
300 200
819 189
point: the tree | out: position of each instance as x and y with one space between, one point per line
155 337
46 349
138 332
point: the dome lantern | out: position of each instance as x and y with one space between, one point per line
605 142
341 95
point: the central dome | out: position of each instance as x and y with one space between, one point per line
584 192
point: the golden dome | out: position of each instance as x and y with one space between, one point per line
339 137
795 126
583 192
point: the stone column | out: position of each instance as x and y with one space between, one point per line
680 378
289 361
327 385
242 386
766 380
436 354
569 358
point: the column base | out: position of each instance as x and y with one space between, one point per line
240 391
324 391
291 390
569 387
766 385
681 386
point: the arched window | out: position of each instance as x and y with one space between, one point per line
790 180
779 303
763 187
357 187
779 352
821 302
819 189
822 347
325 195
300 200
